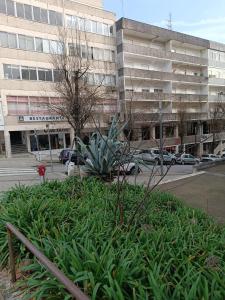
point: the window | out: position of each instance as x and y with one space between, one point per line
44 74
94 26
46 46
57 75
145 90
99 28
145 133
20 10
26 42
10 8
44 16
28 73
158 90
55 18
81 23
28 12
88 25
3 39
53 47
69 21
84 51
11 72
12 42
37 13
39 44
2 6
105 29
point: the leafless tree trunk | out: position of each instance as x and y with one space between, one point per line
217 121
182 122
75 83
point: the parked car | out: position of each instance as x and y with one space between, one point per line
210 157
167 157
64 155
73 161
145 155
187 159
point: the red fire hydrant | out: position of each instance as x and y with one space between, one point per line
41 172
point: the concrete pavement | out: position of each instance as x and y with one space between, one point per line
206 191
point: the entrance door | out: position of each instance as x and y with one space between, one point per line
16 137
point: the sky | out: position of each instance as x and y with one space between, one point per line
202 18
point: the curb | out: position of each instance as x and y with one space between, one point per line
183 177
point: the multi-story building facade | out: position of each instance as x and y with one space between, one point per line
178 75
29 34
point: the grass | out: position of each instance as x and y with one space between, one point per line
172 252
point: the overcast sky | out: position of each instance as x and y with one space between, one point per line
203 18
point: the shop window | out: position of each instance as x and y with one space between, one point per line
157 132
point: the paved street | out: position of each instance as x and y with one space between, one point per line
206 191
23 170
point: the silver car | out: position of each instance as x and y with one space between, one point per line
187 159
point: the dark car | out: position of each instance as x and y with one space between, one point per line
65 155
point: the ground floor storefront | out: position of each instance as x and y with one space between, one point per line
32 141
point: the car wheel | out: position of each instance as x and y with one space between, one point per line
182 162
133 171
173 162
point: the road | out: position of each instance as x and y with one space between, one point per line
16 171
206 191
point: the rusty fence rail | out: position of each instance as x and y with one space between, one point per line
68 284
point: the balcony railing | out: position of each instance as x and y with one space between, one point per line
137 96
166 117
217 81
163 76
146 51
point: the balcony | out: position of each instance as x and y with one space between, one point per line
217 81
168 55
145 96
161 76
166 117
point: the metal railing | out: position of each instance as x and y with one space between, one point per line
68 284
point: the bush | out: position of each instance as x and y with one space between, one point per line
172 252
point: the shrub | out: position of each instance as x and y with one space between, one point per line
171 252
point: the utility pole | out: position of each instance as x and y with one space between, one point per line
161 137
37 143
50 147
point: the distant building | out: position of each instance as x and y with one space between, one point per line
28 34
184 73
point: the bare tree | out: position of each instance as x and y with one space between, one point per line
217 122
75 82
182 122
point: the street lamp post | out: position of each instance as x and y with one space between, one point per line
161 138
49 145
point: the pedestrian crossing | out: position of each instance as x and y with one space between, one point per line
17 171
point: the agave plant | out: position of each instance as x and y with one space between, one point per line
104 152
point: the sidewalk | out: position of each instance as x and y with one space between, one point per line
206 191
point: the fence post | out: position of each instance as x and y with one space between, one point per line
11 256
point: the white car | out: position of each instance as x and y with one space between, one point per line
210 157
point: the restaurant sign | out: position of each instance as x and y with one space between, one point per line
47 118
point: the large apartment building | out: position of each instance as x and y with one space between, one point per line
29 33
179 76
